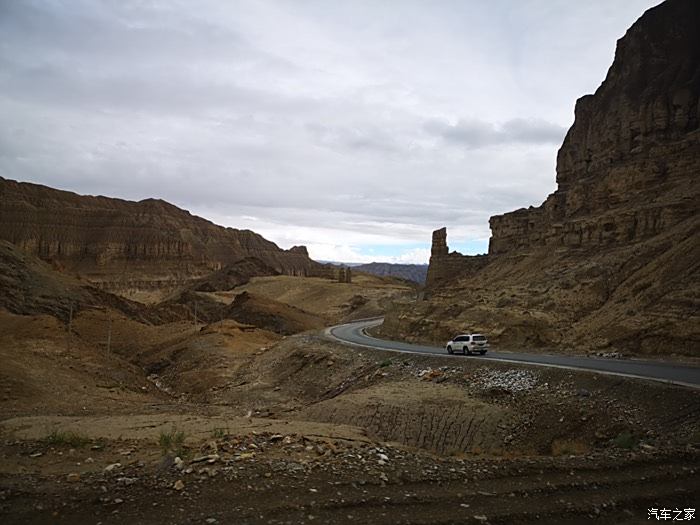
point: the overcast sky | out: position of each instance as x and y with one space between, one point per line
355 128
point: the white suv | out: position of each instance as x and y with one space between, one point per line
468 344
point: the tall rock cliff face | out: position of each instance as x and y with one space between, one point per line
612 258
126 246
628 167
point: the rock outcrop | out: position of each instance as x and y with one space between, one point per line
345 275
29 286
612 258
628 167
123 246
445 267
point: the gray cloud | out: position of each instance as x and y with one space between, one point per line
359 139
331 123
476 133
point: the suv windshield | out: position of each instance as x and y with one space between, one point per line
479 338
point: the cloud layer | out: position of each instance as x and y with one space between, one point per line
344 126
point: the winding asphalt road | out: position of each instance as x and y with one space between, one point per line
355 334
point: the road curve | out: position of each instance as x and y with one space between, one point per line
355 334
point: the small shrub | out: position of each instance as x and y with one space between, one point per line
385 363
625 440
172 442
59 438
219 433
567 447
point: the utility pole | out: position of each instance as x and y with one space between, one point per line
109 332
70 326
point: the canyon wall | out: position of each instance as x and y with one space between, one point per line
123 245
611 259
628 167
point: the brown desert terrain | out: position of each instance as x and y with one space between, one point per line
158 368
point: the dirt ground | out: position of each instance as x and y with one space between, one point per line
232 424
367 296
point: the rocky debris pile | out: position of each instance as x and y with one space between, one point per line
437 375
512 381
158 383
608 355
293 455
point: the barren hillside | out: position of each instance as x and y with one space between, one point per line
130 247
366 296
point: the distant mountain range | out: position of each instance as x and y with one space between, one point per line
412 272
338 263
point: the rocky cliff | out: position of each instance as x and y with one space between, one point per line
126 246
446 267
628 167
612 258
29 286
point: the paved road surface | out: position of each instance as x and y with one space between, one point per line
354 333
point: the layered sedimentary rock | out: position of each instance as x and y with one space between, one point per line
612 258
445 267
345 275
29 286
628 167
123 245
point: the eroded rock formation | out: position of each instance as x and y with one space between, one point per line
123 245
612 257
345 275
445 266
29 286
628 167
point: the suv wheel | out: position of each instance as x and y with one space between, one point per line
449 350
467 351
